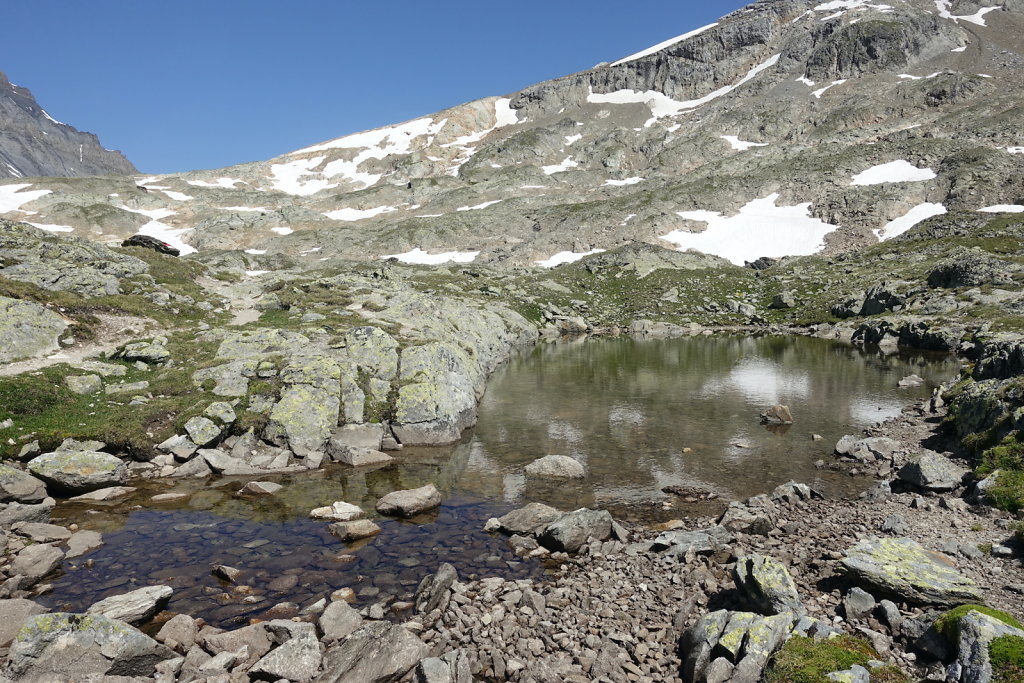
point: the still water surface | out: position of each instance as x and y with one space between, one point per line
640 415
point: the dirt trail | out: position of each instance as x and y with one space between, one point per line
113 331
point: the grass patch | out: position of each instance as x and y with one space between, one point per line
1006 653
804 660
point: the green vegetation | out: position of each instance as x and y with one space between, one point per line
805 660
949 623
1006 654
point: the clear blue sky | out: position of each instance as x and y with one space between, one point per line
190 84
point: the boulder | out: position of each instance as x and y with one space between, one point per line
13 613
356 456
354 530
378 652
569 532
975 632
452 667
36 561
103 495
867 450
783 300
150 352
79 471
338 620
767 585
21 512
303 418
700 542
357 435
970 267
259 488
27 329
410 502
134 607
84 384
756 515
254 638
910 381
903 570
202 431
732 646
932 472
556 467
882 297
339 511
374 351
296 659
20 486
64 646
528 520
181 630
436 398
433 591
777 415
220 411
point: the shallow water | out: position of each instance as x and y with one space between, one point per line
639 414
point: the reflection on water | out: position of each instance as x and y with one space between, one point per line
639 414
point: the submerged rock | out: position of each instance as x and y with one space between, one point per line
410 502
557 467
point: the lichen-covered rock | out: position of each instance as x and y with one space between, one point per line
135 606
20 486
202 430
251 344
437 398
27 329
556 467
303 419
374 351
570 531
12 613
736 645
150 352
900 568
84 384
63 646
767 585
79 471
932 472
410 502
220 411
975 633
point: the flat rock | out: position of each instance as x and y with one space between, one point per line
63 646
20 486
82 542
79 471
569 532
557 467
21 512
527 520
27 329
410 502
12 613
41 532
84 384
134 607
103 495
338 620
357 456
378 652
903 570
259 488
297 659
36 561
357 435
701 542
338 511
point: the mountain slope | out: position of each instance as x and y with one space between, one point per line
33 144
787 127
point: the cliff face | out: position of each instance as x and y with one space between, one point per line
33 144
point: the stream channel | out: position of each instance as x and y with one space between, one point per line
640 415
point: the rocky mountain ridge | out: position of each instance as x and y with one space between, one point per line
32 143
830 124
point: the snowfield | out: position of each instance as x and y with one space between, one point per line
900 225
566 257
759 229
741 145
358 214
893 172
12 198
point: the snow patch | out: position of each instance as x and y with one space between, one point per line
570 139
759 229
243 208
662 45
288 177
899 171
256 273
1004 208
256 252
177 196
52 228
625 181
849 4
479 206
166 233
12 198
1015 150
806 81
420 257
155 214
565 165
900 225
282 231
818 93
227 183
429 215
662 105
566 257
348 214
741 145
978 17
959 49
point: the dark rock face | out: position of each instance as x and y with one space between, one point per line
63 151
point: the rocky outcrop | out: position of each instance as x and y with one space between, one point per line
35 144
27 329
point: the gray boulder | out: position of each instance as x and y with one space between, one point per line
882 297
13 613
572 530
932 472
36 561
903 570
358 435
202 431
338 511
732 646
777 415
63 646
701 542
303 418
452 667
27 329
84 384
970 267
338 620
356 456
528 520
867 450
134 607
20 486
354 530
378 652
410 502
767 585
975 632
556 467
79 471
149 352
756 515
433 591
437 398
296 659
